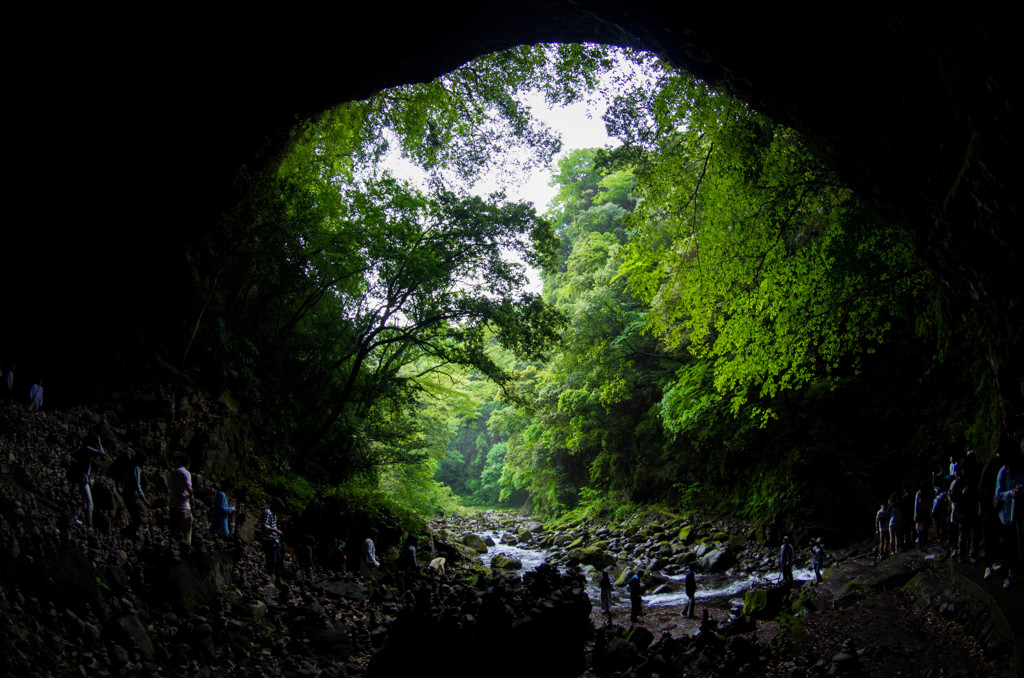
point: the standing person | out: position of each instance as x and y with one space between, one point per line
606 593
80 474
133 495
304 554
338 558
636 603
972 514
907 513
882 530
786 557
940 512
964 512
690 584
407 558
989 515
895 523
222 511
923 513
1009 488
35 396
9 382
271 539
369 559
817 558
179 487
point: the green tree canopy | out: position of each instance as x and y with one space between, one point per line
747 248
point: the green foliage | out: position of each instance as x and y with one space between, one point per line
749 251
709 267
460 124
299 491
591 418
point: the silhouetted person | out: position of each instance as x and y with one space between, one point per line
304 554
271 538
882 530
407 558
895 524
636 603
222 510
338 558
690 584
817 557
606 594
35 396
179 488
134 497
1010 490
786 558
990 525
923 512
80 474
368 561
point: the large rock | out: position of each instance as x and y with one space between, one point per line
129 631
192 580
503 562
716 560
764 603
590 555
474 542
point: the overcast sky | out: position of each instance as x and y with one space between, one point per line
577 131
572 123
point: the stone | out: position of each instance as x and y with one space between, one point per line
474 542
590 555
503 562
716 560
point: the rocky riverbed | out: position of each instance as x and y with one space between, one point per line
80 601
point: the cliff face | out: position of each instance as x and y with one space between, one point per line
128 148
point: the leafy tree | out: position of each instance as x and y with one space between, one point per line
748 249
593 420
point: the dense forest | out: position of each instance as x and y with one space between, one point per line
723 324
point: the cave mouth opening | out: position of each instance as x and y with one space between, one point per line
913 108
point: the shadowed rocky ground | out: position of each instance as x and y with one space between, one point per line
75 601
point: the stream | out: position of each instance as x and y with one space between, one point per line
712 588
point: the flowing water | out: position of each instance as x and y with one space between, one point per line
711 587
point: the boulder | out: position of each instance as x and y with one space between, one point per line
503 562
474 542
716 560
764 603
590 555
